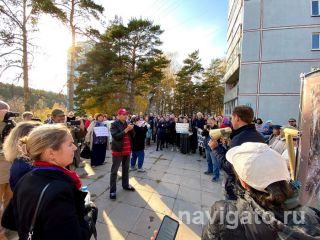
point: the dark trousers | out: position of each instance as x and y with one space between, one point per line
98 154
194 142
160 142
116 161
76 158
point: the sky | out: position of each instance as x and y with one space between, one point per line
188 25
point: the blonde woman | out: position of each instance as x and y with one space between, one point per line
62 214
20 164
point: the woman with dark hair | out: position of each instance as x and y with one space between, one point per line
259 125
267 206
98 144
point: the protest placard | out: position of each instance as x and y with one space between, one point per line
182 127
101 131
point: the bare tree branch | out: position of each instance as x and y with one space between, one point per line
12 16
11 52
9 66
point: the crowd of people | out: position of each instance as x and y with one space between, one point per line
48 200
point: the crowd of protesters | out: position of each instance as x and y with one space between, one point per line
38 157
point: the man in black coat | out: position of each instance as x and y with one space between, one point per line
122 134
243 131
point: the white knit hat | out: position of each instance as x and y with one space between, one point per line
258 165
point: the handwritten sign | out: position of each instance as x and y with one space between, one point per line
182 127
101 131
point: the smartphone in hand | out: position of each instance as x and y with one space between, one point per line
168 229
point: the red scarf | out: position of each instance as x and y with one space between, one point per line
72 174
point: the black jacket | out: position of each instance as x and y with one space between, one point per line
117 132
161 130
246 133
199 123
61 213
139 138
221 229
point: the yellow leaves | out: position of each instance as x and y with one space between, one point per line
141 104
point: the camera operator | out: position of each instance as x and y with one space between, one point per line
6 124
76 128
27 116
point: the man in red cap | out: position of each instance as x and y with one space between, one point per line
122 134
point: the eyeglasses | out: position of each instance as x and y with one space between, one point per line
291 121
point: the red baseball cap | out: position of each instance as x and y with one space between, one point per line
122 111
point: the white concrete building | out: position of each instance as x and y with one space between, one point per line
270 42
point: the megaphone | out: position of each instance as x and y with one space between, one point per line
220 132
290 133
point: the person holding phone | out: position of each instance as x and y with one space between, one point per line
138 142
122 134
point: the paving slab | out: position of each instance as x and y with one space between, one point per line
161 204
147 223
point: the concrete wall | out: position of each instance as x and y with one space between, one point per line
275 49
251 15
278 108
249 101
283 77
250 46
288 44
287 12
248 78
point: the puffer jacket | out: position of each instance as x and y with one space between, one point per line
225 225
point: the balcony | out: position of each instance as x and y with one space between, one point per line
231 92
232 71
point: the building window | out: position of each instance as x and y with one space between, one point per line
315 41
315 8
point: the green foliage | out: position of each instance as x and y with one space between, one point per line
198 89
91 6
47 6
39 98
122 68
186 89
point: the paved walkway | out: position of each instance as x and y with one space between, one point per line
172 182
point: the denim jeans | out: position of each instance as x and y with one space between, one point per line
212 163
140 156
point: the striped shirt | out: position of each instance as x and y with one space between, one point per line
126 149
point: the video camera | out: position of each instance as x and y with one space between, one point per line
72 122
9 124
7 117
75 122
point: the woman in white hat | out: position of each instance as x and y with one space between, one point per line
267 206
